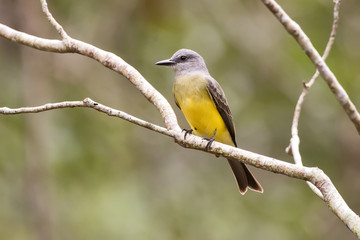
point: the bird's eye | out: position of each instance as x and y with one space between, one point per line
183 57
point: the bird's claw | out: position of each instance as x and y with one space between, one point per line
210 141
187 131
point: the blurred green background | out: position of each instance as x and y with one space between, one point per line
79 174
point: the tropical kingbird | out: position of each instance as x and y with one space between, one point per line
204 105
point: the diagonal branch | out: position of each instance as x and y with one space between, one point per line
294 29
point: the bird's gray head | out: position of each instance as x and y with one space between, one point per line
185 61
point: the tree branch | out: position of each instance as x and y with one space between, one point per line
294 29
314 175
192 141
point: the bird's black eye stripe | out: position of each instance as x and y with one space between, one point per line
183 57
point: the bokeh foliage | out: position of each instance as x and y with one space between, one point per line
78 174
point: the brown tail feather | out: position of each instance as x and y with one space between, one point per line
244 177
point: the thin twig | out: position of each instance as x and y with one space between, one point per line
88 103
294 29
293 148
52 20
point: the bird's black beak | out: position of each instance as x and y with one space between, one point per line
167 62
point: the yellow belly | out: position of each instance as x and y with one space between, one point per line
199 109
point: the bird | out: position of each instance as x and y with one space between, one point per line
205 107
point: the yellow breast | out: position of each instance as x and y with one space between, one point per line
200 111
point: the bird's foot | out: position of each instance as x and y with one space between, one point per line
187 131
210 141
